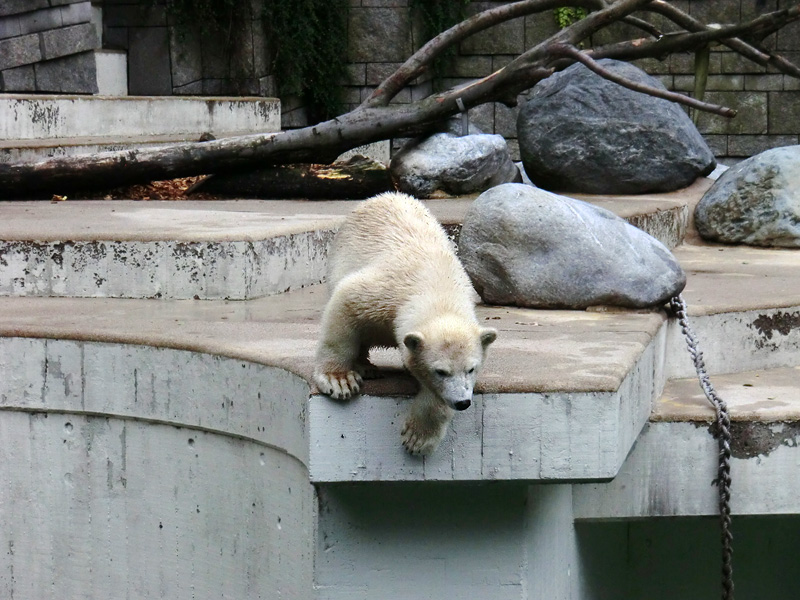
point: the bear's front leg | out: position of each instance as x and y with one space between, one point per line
426 423
334 373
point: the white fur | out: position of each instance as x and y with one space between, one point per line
395 281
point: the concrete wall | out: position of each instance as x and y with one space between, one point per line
504 541
138 472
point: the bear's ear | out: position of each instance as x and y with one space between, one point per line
488 335
413 341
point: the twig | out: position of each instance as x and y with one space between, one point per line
591 64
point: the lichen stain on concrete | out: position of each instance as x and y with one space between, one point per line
57 253
45 114
783 323
751 439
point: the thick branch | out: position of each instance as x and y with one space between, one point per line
682 42
537 56
587 61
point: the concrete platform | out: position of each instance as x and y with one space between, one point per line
563 395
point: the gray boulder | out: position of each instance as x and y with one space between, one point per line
755 202
453 165
582 133
527 247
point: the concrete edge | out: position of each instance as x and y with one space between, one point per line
671 470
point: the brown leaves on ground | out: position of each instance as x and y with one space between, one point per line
170 189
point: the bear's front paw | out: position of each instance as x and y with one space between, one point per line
339 385
422 438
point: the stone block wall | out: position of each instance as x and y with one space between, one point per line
166 59
47 46
768 102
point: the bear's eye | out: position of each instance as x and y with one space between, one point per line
471 371
442 373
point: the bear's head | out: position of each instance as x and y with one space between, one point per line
445 355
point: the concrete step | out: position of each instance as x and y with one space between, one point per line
40 126
672 466
215 250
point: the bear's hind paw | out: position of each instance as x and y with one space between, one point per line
340 385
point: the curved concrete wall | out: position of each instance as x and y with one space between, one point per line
140 472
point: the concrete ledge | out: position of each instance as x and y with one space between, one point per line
671 470
26 117
560 435
557 436
731 342
223 396
237 270
209 250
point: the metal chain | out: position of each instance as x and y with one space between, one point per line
723 436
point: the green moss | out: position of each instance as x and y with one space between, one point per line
310 41
567 15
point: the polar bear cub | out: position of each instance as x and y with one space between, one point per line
395 281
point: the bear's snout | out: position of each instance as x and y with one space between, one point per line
462 404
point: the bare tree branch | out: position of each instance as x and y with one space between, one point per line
645 26
589 63
422 58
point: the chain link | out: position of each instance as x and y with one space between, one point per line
722 433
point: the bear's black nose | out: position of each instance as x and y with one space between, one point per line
462 404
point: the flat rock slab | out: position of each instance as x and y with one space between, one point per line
524 246
755 202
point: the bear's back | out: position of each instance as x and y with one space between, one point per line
393 231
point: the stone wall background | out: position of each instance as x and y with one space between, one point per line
48 46
164 59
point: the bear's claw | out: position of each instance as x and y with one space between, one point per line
418 441
341 385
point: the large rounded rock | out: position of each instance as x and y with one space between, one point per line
582 133
454 165
527 247
756 202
